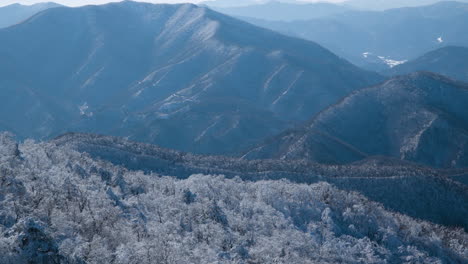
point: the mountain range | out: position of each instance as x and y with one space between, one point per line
16 13
180 76
378 5
379 40
390 4
275 10
419 117
230 3
143 133
201 138
213 84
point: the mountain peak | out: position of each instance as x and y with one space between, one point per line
143 71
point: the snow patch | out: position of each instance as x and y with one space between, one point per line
391 63
411 144
83 110
207 31
91 80
99 43
203 133
170 106
276 54
387 60
298 76
156 83
275 73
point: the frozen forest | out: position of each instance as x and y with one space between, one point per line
61 206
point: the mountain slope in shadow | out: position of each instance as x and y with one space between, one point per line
450 61
181 76
419 117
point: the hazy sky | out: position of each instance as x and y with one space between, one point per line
87 2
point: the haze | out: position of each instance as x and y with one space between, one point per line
90 2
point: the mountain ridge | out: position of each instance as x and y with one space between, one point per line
410 115
384 180
285 11
378 40
449 61
239 81
16 13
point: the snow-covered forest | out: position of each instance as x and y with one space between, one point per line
61 206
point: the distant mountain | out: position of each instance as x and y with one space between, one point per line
387 181
16 13
231 3
376 5
285 11
181 76
379 40
389 4
420 117
450 61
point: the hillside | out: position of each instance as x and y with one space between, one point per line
181 76
401 186
450 61
58 205
419 117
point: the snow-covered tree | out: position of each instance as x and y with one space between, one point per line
61 206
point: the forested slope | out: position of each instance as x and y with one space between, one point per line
58 205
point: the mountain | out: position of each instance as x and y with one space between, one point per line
61 206
419 117
401 186
390 4
181 76
450 61
285 11
380 40
376 5
16 13
230 3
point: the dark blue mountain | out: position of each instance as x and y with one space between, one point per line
419 117
450 61
181 76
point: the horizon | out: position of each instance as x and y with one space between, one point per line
76 3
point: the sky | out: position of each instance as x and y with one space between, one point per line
89 2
